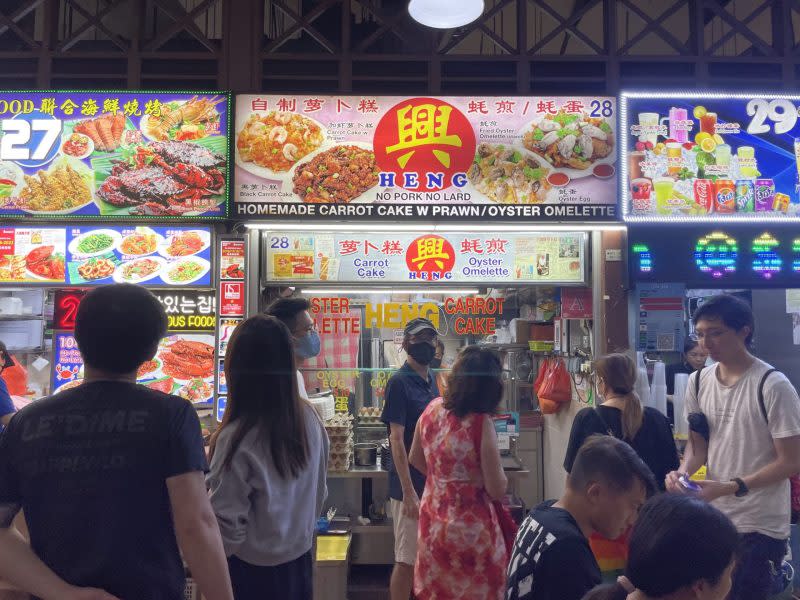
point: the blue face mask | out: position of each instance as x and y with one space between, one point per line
307 346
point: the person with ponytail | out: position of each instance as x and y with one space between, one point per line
620 414
681 549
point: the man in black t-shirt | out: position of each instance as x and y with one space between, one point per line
109 474
551 559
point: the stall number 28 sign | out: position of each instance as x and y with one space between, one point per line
29 140
781 112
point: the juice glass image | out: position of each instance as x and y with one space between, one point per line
635 165
674 158
678 120
748 166
723 157
708 123
649 122
641 190
663 187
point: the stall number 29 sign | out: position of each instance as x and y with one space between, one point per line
782 112
29 140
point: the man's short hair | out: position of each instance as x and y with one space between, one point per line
118 327
732 311
604 458
287 309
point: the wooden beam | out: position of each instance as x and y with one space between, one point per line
745 21
304 23
11 22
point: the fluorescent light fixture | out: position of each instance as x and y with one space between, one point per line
422 229
319 291
445 14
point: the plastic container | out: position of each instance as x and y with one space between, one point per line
679 405
658 391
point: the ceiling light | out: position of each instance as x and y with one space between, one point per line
445 14
320 291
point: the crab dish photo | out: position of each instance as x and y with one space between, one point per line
187 359
166 178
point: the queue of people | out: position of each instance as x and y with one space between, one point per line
111 475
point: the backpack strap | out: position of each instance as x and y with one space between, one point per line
697 384
608 429
761 404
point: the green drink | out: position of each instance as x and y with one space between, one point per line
663 187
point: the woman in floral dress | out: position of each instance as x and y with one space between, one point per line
461 551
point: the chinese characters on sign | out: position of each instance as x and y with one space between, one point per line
114 154
454 257
443 158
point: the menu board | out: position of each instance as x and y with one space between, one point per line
710 157
32 255
183 365
152 256
449 158
110 154
382 258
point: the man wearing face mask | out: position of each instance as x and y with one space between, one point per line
294 313
407 394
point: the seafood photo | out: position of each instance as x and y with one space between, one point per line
43 263
61 189
148 367
570 140
196 390
277 140
191 120
97 268
105 131
139 243
164 385
508 176
166 178
78 145
187 359
12 267
186 244
140 269
336 175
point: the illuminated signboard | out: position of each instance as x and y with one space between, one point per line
746 256
69 155
65 308
426 259
424 158
699 156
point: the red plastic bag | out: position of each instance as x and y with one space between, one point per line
544 367
557 385
548 407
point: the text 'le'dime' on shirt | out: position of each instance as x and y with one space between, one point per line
89 468
741 442
551 559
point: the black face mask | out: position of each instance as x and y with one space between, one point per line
422 352
436 363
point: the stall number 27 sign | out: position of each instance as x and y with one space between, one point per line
782 112
29 140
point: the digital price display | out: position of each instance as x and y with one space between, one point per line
736 255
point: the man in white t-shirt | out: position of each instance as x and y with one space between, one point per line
750 452
294 314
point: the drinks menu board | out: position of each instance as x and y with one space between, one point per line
512 158
389 258
708 156
67 155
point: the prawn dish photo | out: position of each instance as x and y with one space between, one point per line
60 189
191 120
166 178
277 140
148 367
139 243
336 175
509 176
570 140
187 359
186 244
105 131
97 268
45 263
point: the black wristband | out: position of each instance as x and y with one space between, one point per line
743 489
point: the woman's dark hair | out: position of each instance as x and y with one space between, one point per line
262 393
690 344
732 311
475 384
287 309
677 541
118 327
619 373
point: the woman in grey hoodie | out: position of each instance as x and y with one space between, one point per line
268 466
